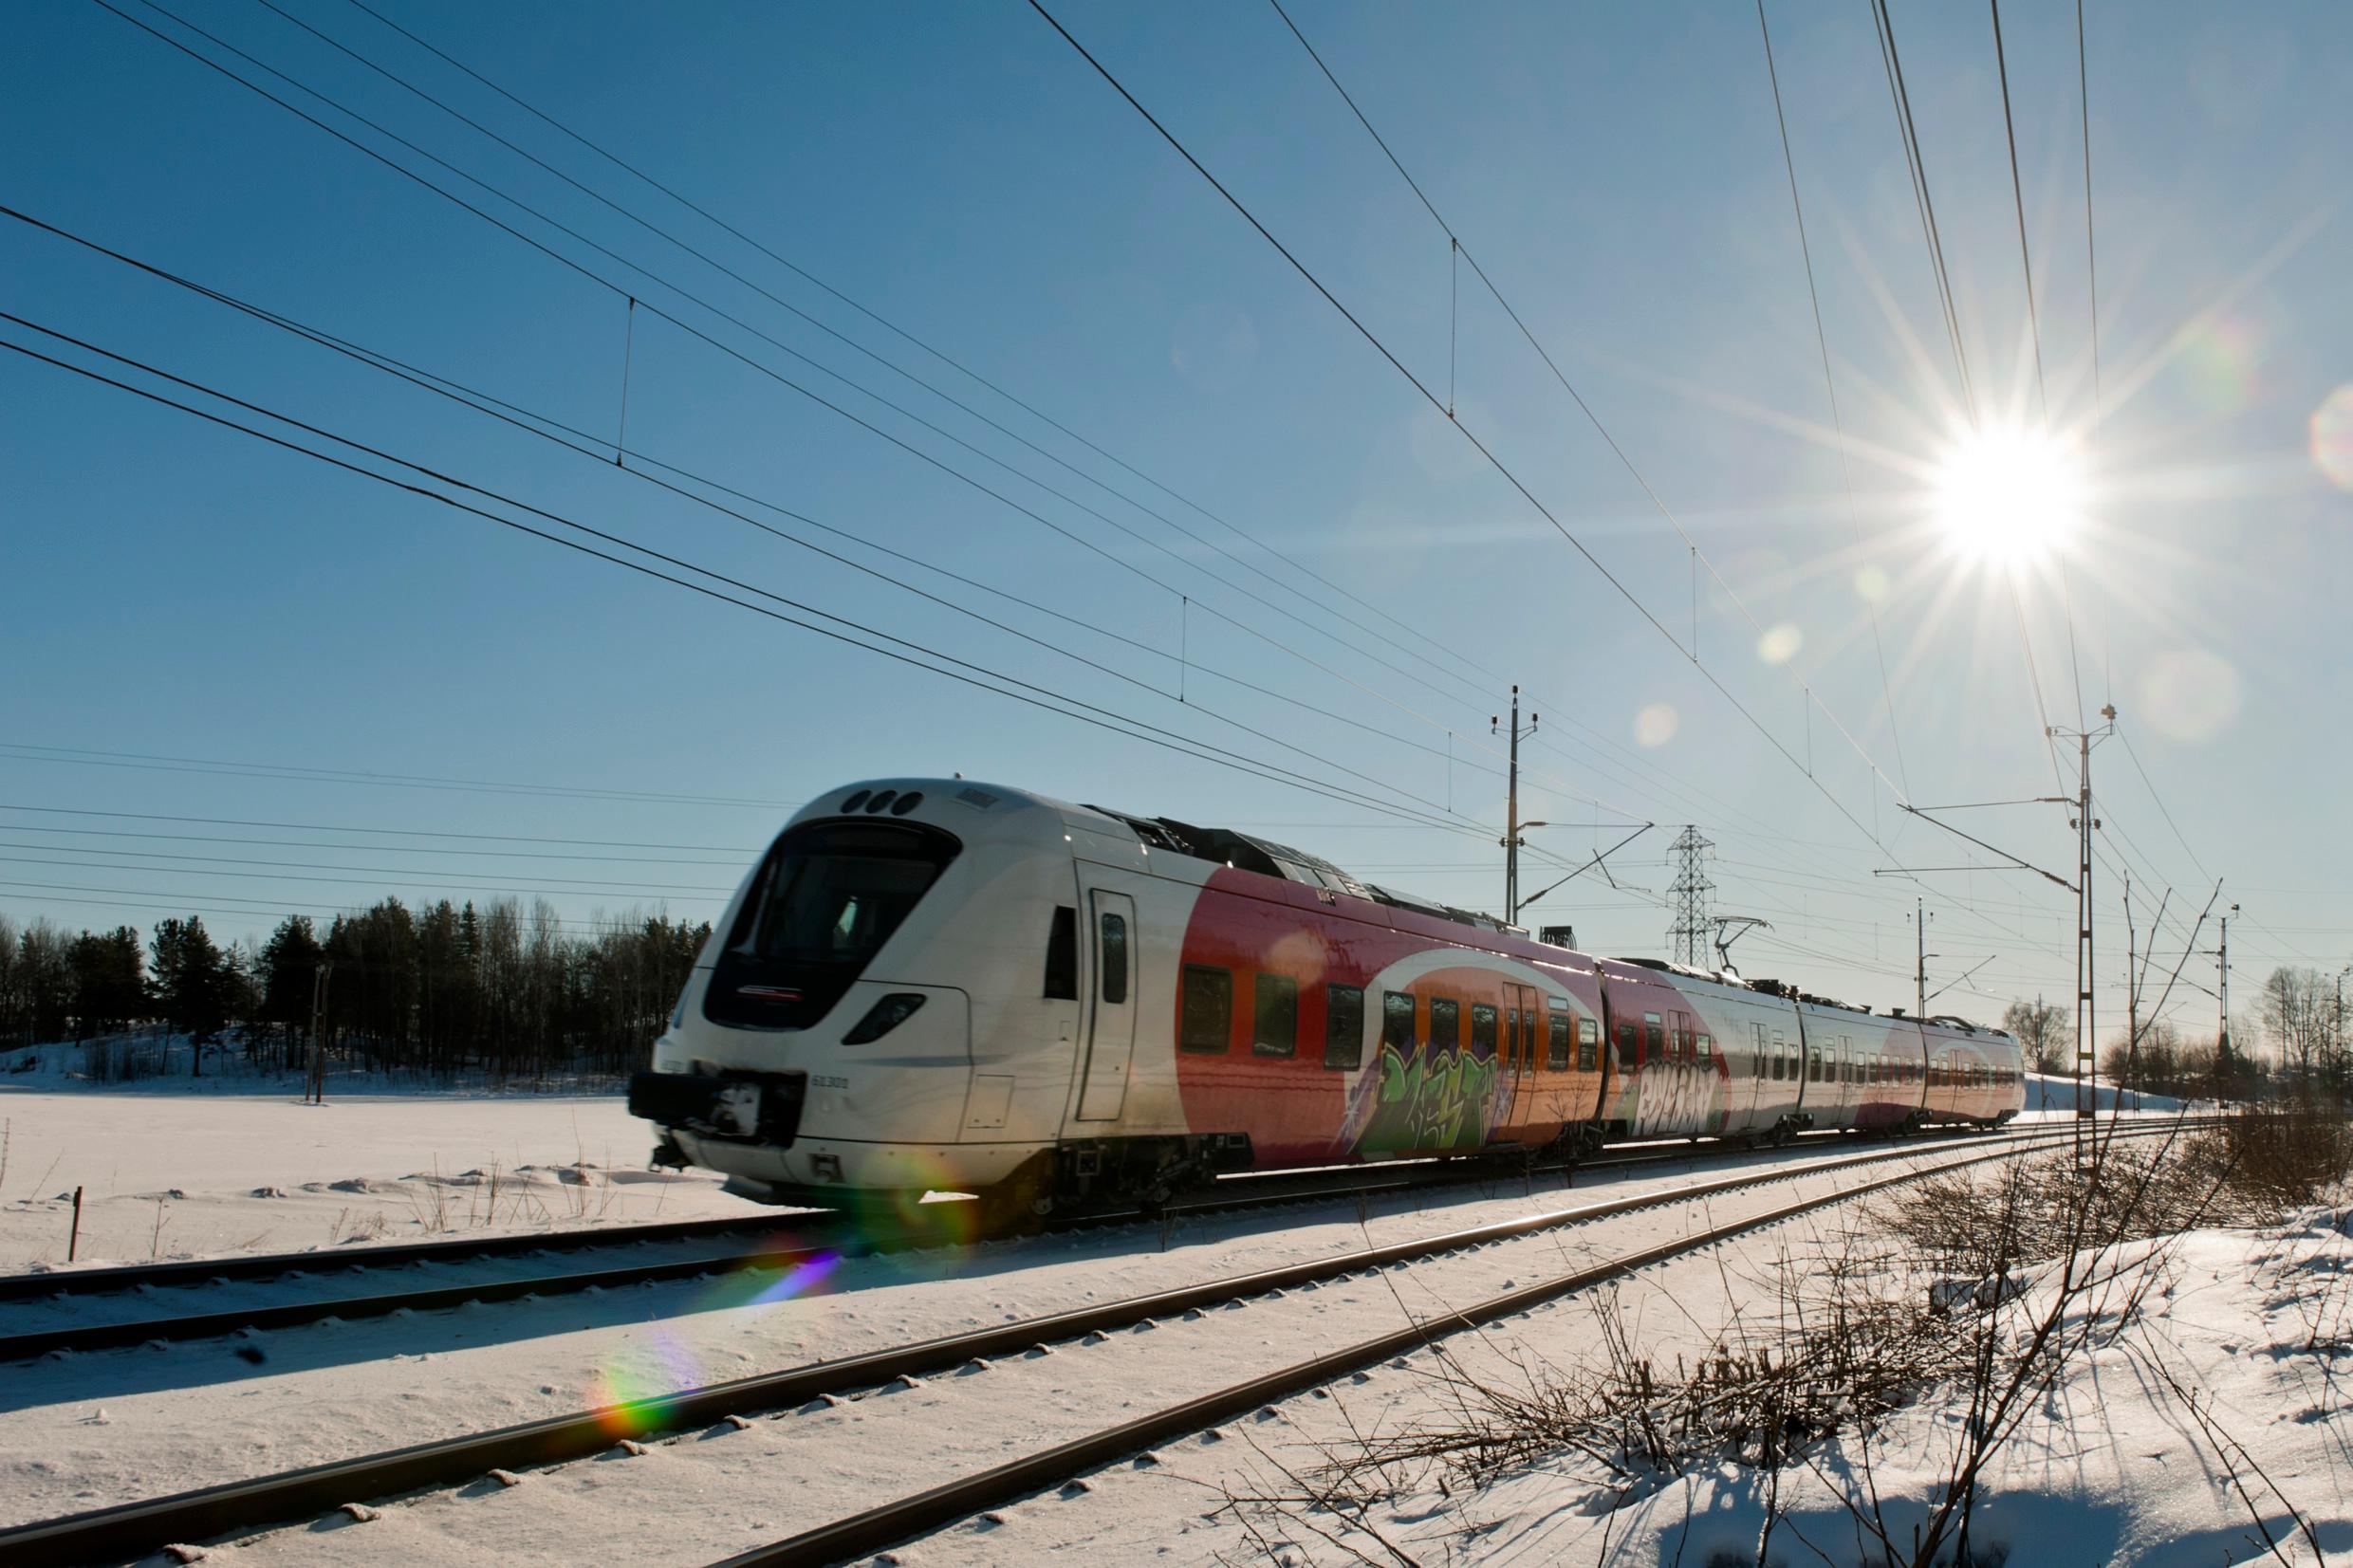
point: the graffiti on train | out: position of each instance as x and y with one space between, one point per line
1429 1102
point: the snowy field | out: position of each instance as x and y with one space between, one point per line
174 1175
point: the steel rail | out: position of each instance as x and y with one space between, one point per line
271 1265
126 1530
790 1242
894 1523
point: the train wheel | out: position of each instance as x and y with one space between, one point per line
1023 1201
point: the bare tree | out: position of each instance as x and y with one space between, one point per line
2298 1008
2045 1031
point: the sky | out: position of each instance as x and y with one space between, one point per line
950 345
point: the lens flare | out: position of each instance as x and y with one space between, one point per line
2332 438
2004 497
1656 725
1780 643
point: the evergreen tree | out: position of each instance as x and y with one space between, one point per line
193 983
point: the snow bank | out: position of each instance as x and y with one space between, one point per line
2048 1092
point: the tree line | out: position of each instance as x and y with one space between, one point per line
2294 1045
442 988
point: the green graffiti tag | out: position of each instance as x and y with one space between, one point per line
1429 1103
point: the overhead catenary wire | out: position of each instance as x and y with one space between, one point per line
1511 478
753 363
1811 701
621 290
577 266
804 609
586 445
1891 61
1098 717
1397 623
1584 407
350 827
1838 421
218 903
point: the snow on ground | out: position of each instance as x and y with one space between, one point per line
2050 1092
172 1175
86 1431
2216 1429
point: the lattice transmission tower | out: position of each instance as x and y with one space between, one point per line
1688 937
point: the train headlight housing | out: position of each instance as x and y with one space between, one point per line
883 1017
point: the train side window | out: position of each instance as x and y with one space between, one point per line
1482 1027
1654 1035
1062 955
1629 1042
1556 1045
1397 1021
1813 1066
1206 1025
1344 1027
1589 1045
1706 1048
1277 1016
1115 959
1445 1024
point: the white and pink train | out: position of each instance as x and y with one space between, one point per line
933 983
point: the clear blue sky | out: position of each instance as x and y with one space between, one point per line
175 590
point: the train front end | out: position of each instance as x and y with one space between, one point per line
821 1048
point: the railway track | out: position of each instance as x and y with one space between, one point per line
130 1529
778 1242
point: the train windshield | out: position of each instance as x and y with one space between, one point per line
826 899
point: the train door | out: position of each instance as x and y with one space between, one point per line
1522 1029
1111 1006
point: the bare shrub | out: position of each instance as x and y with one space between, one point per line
2281 1156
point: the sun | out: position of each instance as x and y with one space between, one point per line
2004 497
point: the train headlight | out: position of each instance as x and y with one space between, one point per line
883 1017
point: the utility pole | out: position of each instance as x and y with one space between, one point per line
1512 825
1688 936
1920 918
2222 1029
2086 1077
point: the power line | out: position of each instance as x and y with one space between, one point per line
625 293
1584 407
25 751
2018 200
2034 323
214 902
1094 715
1892 62
211 866
584 445
908 337
1480 447
387 849
744 358
770 371
1822 343
346 827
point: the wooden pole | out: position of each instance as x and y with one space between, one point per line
73 1240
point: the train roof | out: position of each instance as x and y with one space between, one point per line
1248 852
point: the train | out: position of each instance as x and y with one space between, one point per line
945 985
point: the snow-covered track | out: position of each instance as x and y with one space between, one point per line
779 1242
126 1530
874 1529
